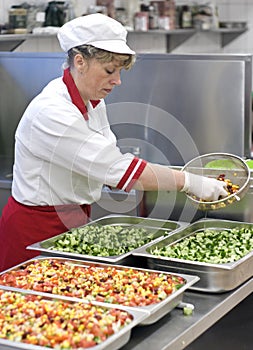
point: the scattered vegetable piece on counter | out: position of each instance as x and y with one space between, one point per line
211 246
186 307
57 324
126 286
187 311
106 240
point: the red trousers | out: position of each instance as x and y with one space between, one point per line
22 225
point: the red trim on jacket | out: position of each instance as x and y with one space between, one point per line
75 95
129 171
136 176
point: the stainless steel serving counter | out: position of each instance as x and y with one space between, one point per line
220 318
176 331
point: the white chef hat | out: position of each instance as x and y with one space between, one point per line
97 30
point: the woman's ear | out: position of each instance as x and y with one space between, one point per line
79 62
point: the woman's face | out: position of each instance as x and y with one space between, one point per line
96 80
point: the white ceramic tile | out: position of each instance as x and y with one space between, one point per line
2 12
200 43
147 43
28 46
223 12
81 7
238 12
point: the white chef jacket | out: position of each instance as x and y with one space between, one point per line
65 152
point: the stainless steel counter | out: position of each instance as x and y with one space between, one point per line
176 331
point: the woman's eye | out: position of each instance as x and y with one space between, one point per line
109 71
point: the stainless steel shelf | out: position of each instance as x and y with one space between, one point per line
9 42
177 37
174 38
228 35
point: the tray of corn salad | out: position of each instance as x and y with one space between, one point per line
34 321
154 292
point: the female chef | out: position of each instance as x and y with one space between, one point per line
65 151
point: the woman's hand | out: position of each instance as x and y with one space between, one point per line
205 188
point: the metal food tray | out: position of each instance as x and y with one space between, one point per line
156 226
214 278
154 312
114 342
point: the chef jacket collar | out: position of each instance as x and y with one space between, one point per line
75 95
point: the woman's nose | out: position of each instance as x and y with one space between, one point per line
116 79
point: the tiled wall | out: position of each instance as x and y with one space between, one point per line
229 10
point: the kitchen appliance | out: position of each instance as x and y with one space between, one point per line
55 14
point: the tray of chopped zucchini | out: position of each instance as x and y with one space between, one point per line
220 252
110 239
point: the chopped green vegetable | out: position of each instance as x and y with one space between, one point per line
102 240
187 311
211 246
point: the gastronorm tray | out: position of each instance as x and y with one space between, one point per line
155 226
154 311
214 278
113 342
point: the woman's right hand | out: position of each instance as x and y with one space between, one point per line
205 188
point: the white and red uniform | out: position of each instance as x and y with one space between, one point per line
65 152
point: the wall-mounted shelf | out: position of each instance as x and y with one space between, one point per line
172 38
228 35
9 42
177 37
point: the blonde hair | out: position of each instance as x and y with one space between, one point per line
89 52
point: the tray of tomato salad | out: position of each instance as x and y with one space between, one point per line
34 321
151 291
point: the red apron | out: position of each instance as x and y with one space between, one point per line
22 225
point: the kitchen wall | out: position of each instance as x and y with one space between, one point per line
207 42
229 10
